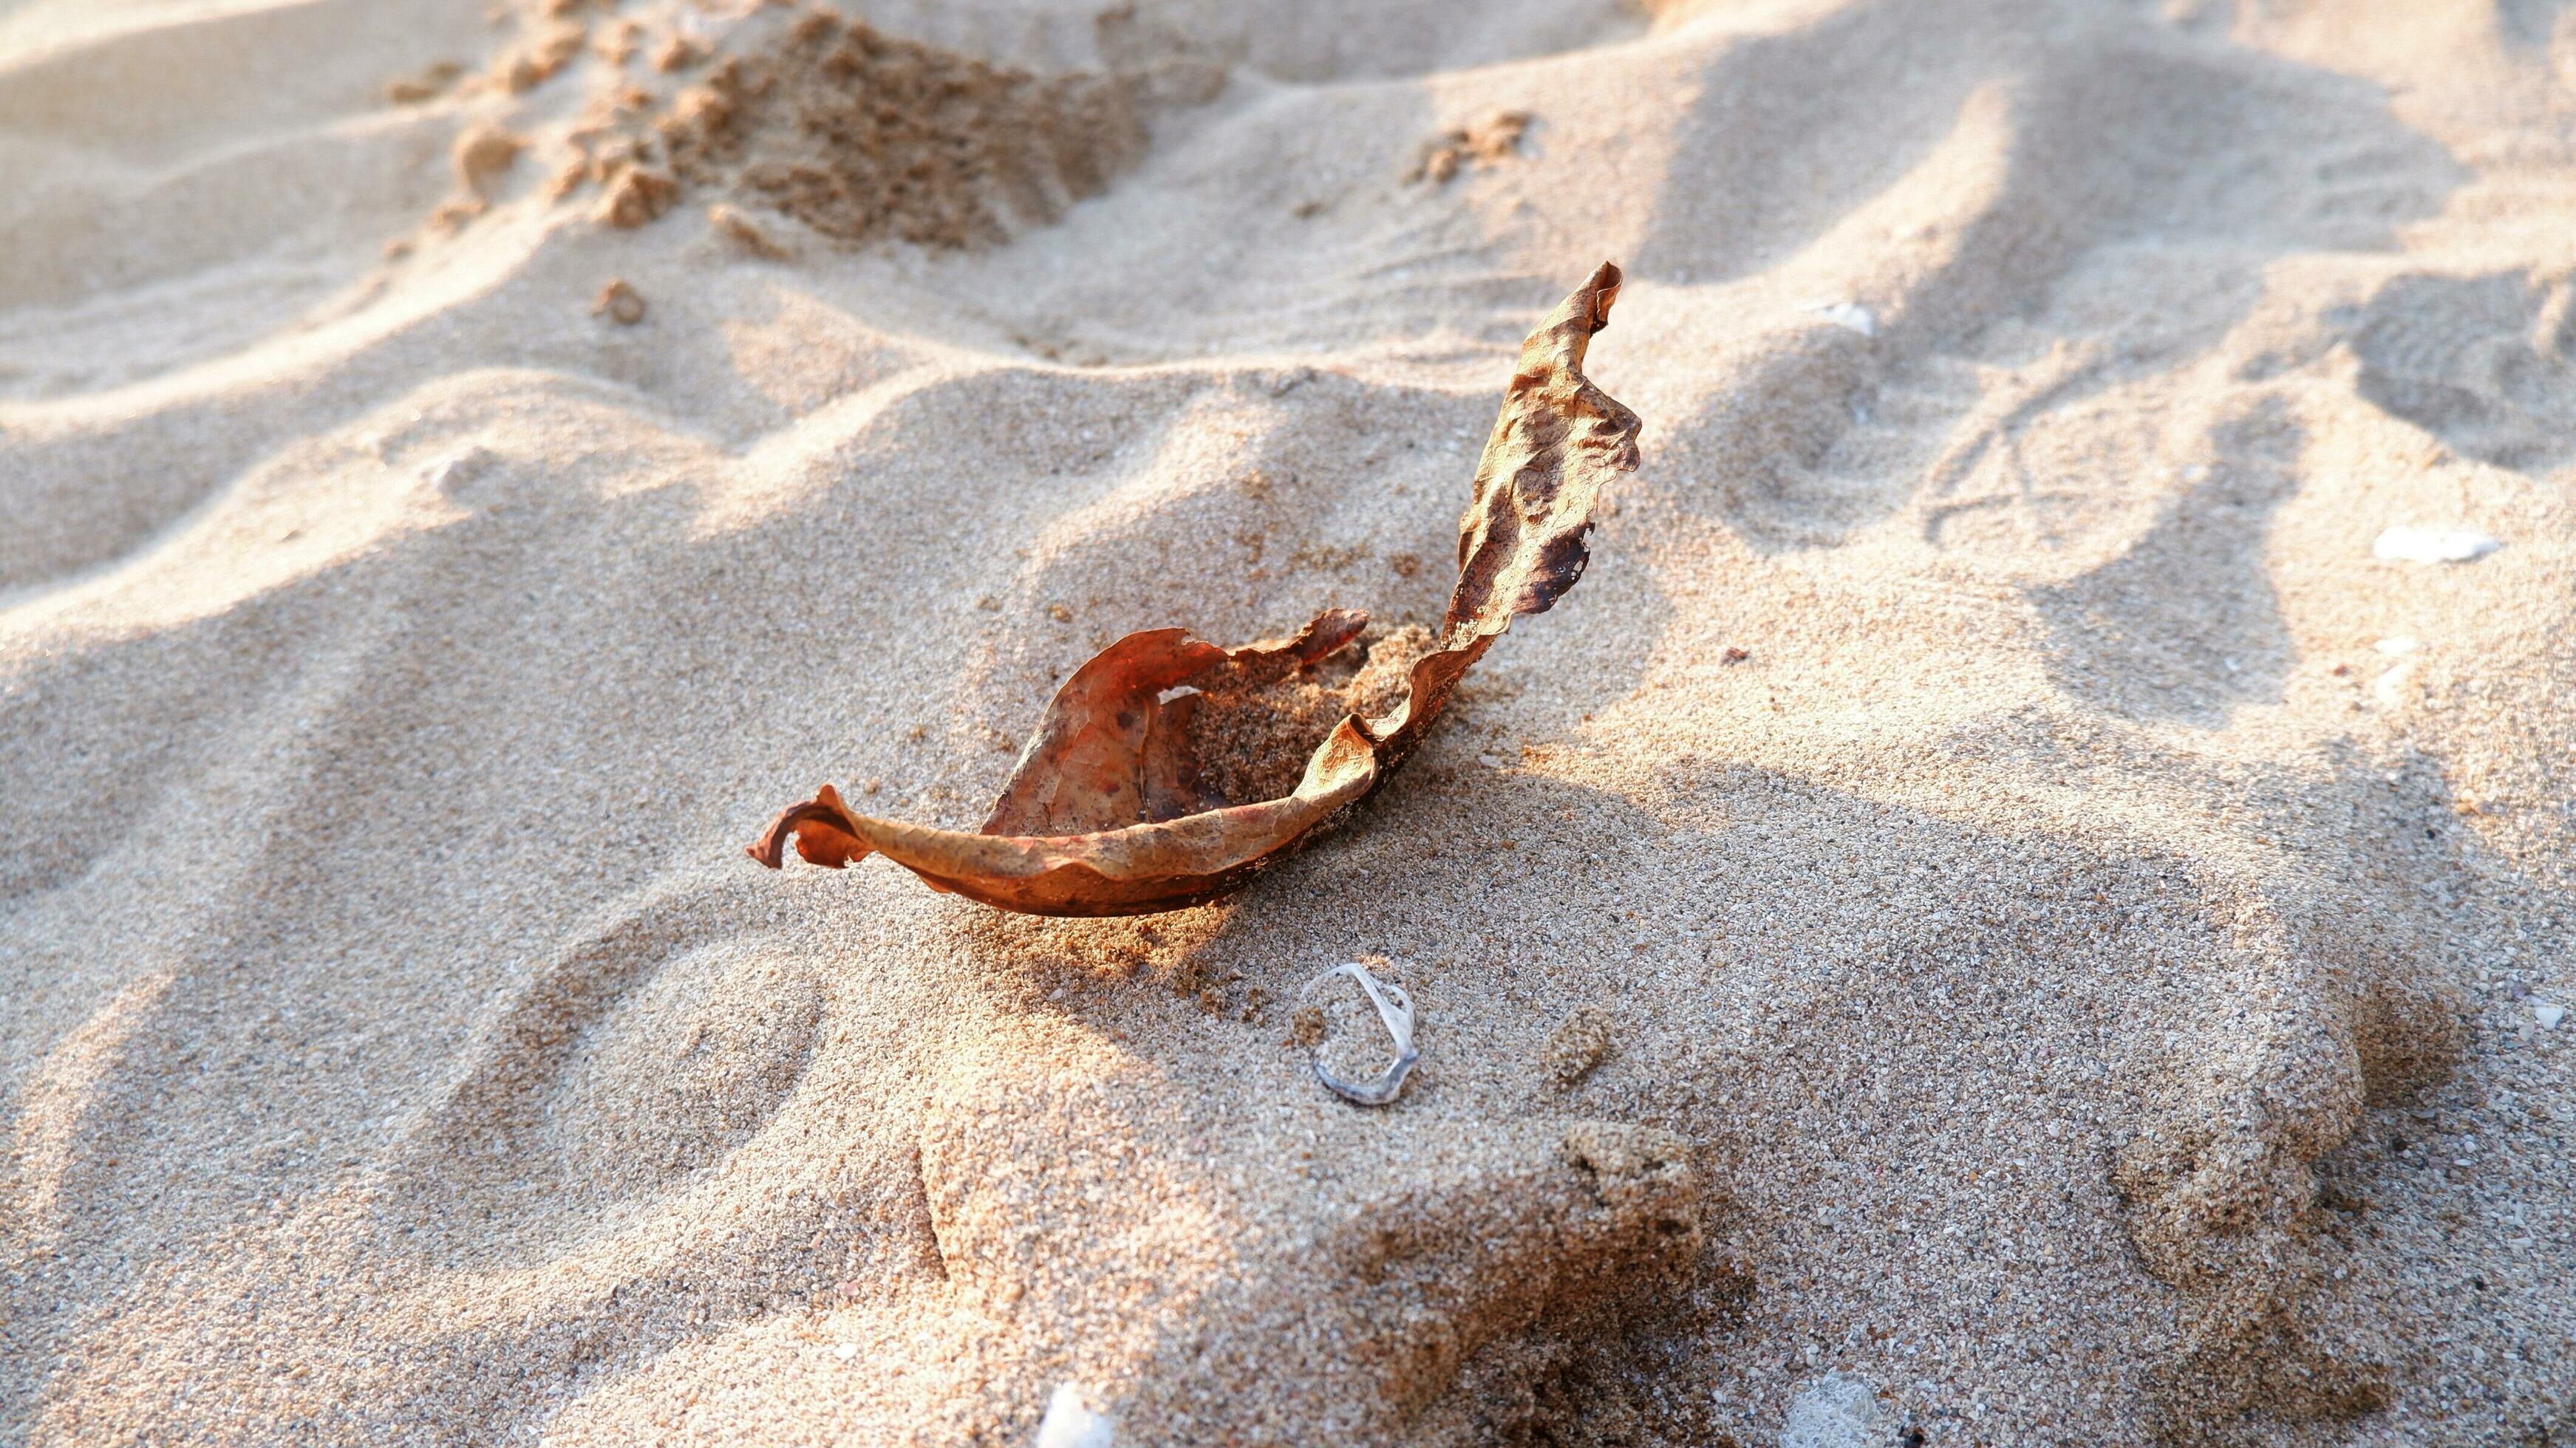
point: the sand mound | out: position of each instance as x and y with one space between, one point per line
1990 913
859 136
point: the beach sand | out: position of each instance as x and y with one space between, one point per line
1993 914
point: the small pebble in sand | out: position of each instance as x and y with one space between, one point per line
2549 1016
451 216
482 155
678 53
2434 545
619 302
618 43
411 90
1576 1046
745 233
637 196
542 59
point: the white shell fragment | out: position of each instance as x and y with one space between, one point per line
1851 316
2434 545
1070 1423
2549 1016
2390 687
1395 1009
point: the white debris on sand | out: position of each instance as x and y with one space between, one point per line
1837 1411
1070 1422
1851 316
2434 545
2390 688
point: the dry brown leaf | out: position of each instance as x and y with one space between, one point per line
1126 801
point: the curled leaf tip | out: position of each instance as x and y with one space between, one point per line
821 829
1522 542
1598 293
1168 771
